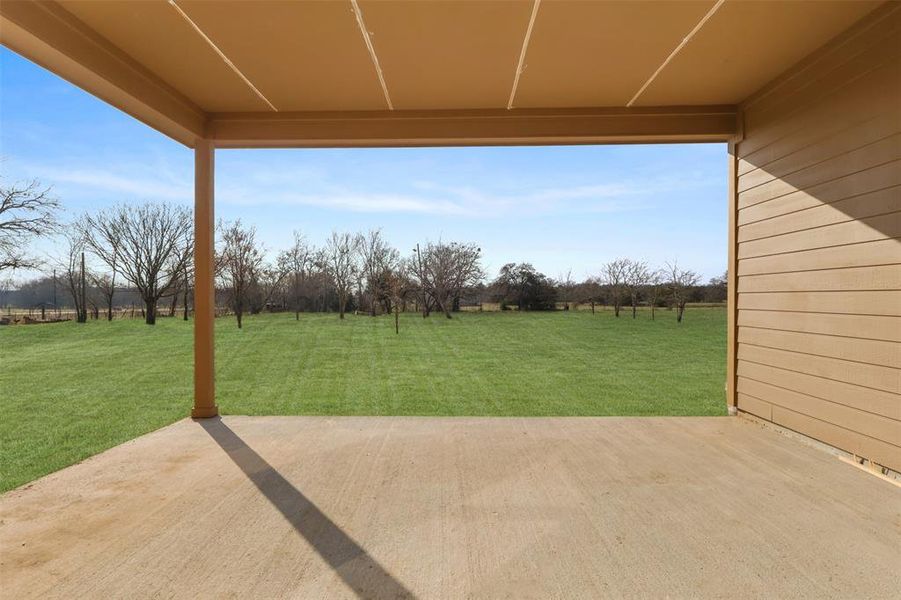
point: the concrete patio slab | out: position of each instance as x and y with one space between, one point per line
383 507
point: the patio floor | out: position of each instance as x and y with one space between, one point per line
387 507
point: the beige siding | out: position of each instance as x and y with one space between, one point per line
818 245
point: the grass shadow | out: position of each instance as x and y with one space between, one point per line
365 576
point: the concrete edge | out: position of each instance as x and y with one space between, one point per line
864 464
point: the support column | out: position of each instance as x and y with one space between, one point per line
204 288
732 283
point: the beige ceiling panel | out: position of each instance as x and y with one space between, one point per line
447 54
301 55
744 45
154 34
600 53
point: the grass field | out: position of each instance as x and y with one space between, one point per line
68 391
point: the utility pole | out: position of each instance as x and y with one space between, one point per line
83 315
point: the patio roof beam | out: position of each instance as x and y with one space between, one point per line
50 36
473 127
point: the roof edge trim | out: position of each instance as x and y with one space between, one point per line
48 35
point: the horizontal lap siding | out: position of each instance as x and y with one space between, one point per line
819 245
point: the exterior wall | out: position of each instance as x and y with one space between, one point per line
817 246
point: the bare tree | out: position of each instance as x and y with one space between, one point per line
637 276
27 211
680 282
264 286
105 284
717 288
589 291
420 282
654 285
340 251
443 270
295 263
320 281
72 265
399 285
187 277
150 244
239 260
174 293
613 275
377 260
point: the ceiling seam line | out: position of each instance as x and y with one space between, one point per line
130 63
678 48
522 52
372 55
221 54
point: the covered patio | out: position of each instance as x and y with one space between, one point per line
804 94
399 507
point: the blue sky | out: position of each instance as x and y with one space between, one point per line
559 208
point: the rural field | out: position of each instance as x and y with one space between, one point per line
72 390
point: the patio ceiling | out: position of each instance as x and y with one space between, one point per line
370 72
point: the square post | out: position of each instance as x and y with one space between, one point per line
732 283
204 286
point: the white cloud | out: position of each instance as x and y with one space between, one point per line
140 186
109 182
435 199
264 186
345 200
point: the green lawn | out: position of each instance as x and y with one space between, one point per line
68 391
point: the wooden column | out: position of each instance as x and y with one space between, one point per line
204 288
732 282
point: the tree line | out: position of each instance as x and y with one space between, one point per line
145 253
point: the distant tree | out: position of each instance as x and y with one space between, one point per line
239 260
174 293
151 244
613 275
7 285
636 278
420 276
264 288
443 270
340 254
398 286
92 301
187 290
680 283
181 286
321 286
105 284
715 290
567 286
476 295
27 211
511 281
589 291
296 262
74 272
654 285
377 260
525 285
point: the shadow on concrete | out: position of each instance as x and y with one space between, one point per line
350 561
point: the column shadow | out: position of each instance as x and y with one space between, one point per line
365 576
